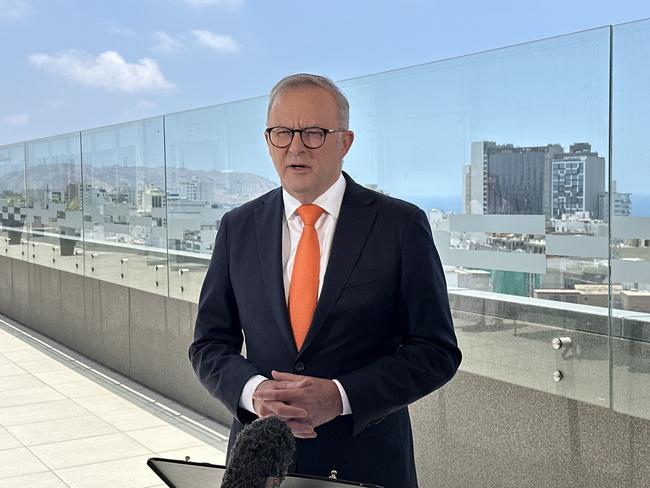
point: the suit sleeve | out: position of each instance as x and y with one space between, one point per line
428 356
215 353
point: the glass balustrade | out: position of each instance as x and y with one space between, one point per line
543 238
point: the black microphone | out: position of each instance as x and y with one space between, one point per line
263 449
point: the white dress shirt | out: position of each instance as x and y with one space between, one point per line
330 201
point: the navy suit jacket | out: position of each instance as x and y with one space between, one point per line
382 327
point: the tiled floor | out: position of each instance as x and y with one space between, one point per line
65 421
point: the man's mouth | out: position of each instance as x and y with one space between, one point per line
298 166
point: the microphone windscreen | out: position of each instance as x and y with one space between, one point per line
264 448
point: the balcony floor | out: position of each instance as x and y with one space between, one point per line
66 421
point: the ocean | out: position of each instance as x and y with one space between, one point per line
447 203
453 203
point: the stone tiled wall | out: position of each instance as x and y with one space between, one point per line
141 335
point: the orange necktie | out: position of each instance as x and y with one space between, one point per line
303 289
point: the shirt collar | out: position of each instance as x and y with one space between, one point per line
330 201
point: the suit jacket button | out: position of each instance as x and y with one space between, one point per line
299 367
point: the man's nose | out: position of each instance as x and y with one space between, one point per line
296 145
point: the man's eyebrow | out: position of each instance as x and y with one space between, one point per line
310 124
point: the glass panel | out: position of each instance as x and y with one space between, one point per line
13 216
520 351
125 210
629 205
54 213
506 152
216 160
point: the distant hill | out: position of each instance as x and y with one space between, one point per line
220 186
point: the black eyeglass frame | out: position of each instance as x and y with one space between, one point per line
300 131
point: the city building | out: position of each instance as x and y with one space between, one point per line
473 279
578 178
621 203
594 295
597 295
533 180
506 179
578 223
467 189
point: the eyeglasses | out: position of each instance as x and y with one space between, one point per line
311 137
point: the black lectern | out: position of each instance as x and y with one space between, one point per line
187 474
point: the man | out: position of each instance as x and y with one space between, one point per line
341 297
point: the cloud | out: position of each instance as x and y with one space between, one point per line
216 41
165 43
13 9
17 120
214 3
107 70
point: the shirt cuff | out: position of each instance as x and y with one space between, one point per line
246 398
347 409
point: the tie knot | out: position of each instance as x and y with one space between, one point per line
309 213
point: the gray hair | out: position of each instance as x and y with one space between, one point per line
302 80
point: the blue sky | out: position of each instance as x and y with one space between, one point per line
69 65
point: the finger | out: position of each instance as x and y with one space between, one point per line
281 410
304 436
278 375
301 429
283 396
285 411
286 385
282 387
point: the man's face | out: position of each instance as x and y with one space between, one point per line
306 173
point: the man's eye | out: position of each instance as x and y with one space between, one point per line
282 132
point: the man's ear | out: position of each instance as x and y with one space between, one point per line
346 143
268 144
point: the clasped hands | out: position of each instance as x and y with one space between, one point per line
304 402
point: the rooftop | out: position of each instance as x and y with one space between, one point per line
66 421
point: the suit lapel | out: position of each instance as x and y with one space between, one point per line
355 222
268 233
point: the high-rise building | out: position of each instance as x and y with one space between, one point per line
621 203
507 179
467 188
533 180
124 193
578 178
73 192
190 189
478 165
151 197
